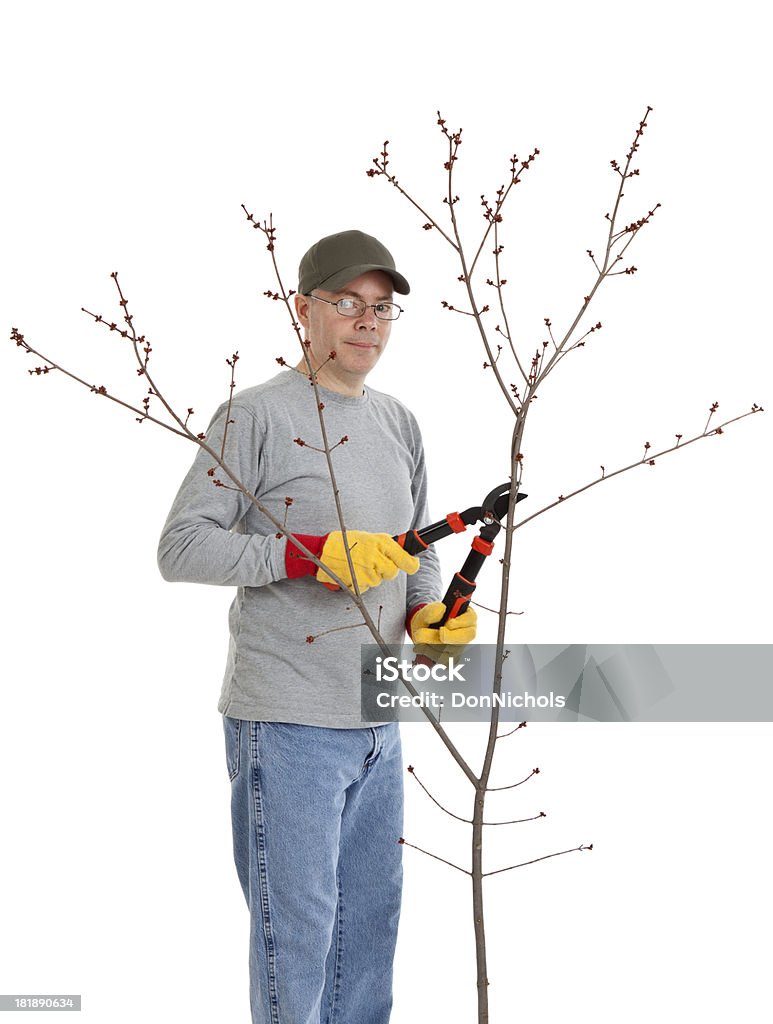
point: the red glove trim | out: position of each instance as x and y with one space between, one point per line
296 562
409 618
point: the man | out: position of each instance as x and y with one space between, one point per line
316 792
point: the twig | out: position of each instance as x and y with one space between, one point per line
503 735
649 461
404 842
513 785
536 860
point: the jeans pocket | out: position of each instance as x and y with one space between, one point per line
233 733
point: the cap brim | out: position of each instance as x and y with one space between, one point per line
342 277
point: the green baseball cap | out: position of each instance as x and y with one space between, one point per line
335 260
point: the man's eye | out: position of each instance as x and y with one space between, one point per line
346 303
382 307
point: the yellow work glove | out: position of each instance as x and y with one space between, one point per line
375 557
446 641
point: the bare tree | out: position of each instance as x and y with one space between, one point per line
519 378
530 370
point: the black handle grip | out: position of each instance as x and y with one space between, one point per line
411 542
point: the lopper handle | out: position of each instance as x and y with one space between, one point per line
411 542
456 600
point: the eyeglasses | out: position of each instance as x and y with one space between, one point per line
356 307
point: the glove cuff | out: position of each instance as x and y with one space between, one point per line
297 563
409 617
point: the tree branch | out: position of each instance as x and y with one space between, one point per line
536 860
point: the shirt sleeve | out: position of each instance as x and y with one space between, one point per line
203 540
426 585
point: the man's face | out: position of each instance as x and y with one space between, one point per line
357 341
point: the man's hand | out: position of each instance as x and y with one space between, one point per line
375 557
446 641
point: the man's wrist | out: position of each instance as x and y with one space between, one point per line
410 615
297 563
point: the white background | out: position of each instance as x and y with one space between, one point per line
131 135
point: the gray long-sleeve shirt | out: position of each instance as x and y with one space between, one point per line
216 535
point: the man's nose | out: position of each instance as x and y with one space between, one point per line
368 320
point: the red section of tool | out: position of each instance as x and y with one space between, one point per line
454 610
456 523
485 547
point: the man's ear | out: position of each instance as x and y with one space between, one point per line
302 304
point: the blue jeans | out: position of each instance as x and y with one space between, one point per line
316 816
